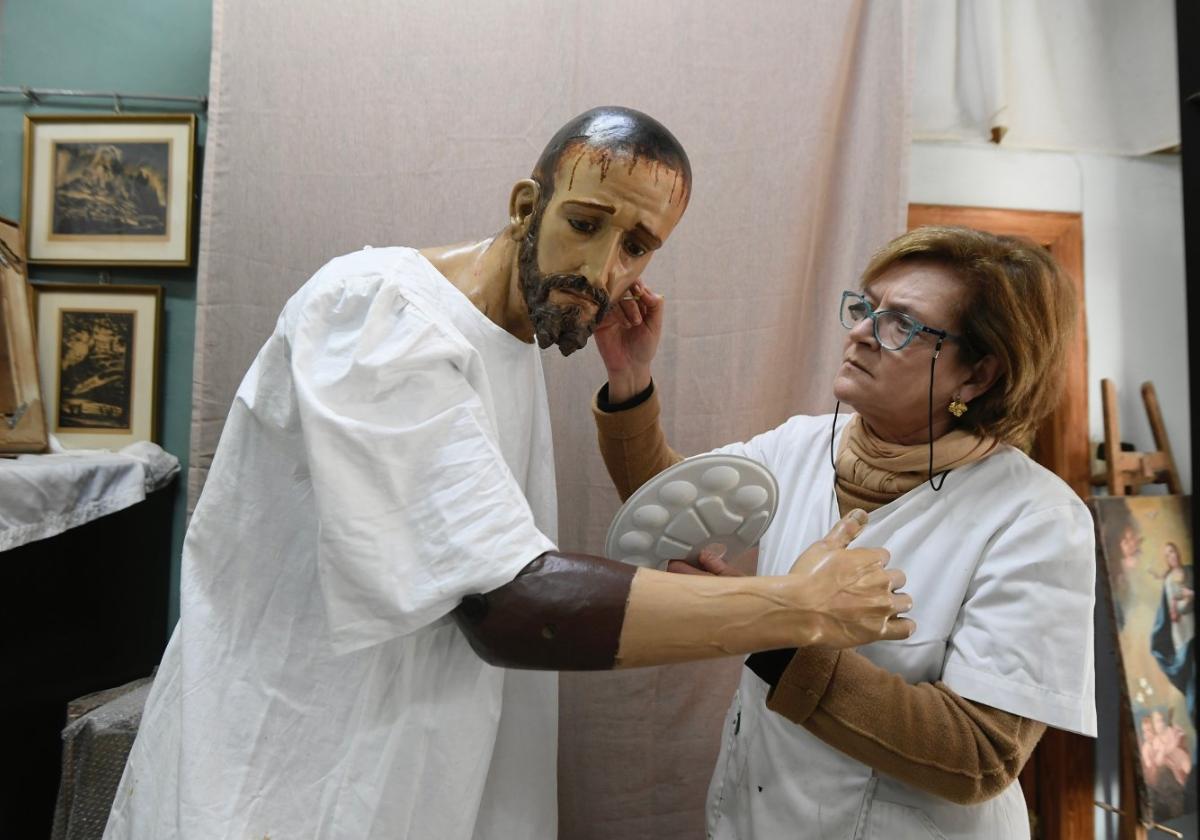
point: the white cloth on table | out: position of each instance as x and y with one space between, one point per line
387 453
43 495
1001 565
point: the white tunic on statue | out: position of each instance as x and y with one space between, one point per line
1001 565
387 453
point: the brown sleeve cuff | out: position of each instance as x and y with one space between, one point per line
607 406
803 683
619 423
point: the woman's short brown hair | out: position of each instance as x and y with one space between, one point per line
1018 306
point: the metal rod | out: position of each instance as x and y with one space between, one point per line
1153 825
35 95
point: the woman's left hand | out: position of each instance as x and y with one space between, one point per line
711 561
628 339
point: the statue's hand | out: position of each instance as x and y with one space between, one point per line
849 596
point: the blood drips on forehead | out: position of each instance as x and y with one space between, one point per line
603 158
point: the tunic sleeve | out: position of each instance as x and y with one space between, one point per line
1023 639
416 506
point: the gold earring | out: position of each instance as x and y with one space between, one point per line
957 407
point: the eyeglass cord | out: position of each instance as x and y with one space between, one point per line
932 363
838 407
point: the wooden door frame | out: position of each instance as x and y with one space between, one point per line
1059 779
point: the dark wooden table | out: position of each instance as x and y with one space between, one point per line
79 612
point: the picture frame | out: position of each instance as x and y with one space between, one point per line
1145 557
99 348
109 189
22 416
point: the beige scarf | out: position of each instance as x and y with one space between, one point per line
872 472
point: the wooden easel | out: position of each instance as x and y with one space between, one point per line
1125 474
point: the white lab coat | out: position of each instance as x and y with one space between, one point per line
1001 565
387 453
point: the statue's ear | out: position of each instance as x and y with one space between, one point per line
521 203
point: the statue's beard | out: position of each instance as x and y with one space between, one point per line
565 326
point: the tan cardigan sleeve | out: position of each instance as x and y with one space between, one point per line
632 444
924 735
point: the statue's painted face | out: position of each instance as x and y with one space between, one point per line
587 245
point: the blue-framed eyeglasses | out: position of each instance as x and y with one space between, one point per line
893 330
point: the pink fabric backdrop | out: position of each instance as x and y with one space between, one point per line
335 125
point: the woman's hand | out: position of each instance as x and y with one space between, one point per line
628 341
711 561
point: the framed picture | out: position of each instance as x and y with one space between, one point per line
22 417
1145 548
108 189
98 351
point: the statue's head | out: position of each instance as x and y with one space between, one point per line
605 194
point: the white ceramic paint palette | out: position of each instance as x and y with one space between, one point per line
708 499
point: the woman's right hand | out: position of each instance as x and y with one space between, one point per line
628 341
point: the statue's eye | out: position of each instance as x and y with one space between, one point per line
582 225
635 248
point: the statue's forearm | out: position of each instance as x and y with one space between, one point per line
577 612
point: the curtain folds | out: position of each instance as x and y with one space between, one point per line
1071 75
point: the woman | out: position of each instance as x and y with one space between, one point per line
1174 630
1178 596
956 343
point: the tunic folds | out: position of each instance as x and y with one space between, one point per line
387 453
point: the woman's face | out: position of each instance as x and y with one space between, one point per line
1171 555
890 388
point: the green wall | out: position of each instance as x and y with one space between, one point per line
129 46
